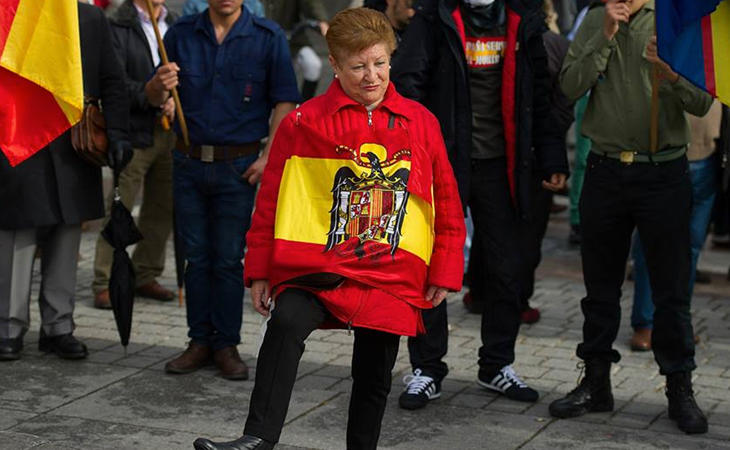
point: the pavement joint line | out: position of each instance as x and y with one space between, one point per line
75 399
317 406
547 422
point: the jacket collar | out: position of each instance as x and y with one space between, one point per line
126 15
392 101
242 27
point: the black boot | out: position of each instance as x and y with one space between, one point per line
683 408
309 88
245 442
593 394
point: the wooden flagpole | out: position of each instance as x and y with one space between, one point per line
163 56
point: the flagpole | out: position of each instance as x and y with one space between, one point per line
163 55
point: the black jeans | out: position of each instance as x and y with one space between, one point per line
426 351
498 233
296 315
656 199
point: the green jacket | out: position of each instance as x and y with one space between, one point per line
619 77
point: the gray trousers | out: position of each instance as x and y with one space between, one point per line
59 246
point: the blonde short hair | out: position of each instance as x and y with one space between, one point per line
354 30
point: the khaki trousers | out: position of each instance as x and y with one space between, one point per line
150 167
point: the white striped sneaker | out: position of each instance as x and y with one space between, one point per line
508 383
419 390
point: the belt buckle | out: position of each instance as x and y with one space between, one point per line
626 157
207 153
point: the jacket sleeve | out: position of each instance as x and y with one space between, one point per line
587 57
447 260
260 237
413 60
547 138
113 93
135 89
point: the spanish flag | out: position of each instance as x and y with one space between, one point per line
694 38
41 88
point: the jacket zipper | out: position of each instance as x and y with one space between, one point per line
349 322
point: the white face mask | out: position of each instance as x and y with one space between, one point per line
476 3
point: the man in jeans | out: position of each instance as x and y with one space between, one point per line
627 186
151 166
234 74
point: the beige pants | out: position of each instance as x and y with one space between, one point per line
150 167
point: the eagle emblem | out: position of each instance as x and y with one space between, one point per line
369 206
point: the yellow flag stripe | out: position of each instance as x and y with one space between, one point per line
305 201
43 46
721 50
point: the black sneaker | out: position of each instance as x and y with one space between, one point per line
507 382
419 390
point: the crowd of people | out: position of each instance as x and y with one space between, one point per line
347 209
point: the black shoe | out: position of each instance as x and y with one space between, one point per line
683 408
509 384
10 349
65 346
420 389
574 237
593 394
245 442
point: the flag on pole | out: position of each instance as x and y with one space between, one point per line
41 87
694 38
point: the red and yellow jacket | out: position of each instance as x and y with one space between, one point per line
370 196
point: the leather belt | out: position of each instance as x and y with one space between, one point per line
630 157
211 153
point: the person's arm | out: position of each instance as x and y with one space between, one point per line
260 237
446 269
255 170
113 89
588 55
549 144
412 65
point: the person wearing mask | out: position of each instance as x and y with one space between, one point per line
230 105
629 186
151 166
47 197
384 242
459 58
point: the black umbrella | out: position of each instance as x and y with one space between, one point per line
120 232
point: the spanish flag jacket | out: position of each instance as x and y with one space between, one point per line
370 196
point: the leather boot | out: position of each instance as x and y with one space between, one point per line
683 408
593 394
193 358
245 442
10 349
230 364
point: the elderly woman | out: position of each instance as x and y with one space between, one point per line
358 224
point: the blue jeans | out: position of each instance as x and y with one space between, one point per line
704 186
213 207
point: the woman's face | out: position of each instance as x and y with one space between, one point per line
364 76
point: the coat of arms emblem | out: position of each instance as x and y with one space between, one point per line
369 206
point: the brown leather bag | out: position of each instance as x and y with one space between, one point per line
88 137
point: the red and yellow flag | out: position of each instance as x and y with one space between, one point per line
41 87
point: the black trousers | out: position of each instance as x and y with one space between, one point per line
296 315
656 199
427 351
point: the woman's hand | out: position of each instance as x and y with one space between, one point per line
436 294
261 296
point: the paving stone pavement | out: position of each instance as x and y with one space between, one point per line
115 400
